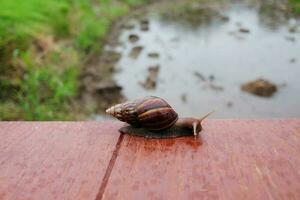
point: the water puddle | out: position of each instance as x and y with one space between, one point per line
200 66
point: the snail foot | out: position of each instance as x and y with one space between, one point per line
172 132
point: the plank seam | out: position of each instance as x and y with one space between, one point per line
110 168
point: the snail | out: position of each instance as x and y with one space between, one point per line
153 117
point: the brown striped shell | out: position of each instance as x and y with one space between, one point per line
152 113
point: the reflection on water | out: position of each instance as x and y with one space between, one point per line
202 68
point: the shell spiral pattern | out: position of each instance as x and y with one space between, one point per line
152 113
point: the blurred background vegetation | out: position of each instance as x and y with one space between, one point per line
44 44
43 47
296 5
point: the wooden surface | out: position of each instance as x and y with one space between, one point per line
233 159
54 160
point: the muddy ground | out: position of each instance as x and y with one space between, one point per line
100 88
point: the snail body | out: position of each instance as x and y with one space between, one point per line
156 116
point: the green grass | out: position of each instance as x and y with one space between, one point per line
296 5
45 91
42 48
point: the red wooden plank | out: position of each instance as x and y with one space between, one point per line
54 160
234 160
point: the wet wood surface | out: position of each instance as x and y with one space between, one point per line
232 159
54 160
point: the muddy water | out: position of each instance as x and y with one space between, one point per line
202 66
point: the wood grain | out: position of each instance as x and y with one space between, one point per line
234 159
54 160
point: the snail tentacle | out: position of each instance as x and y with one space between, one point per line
205 116
195 128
